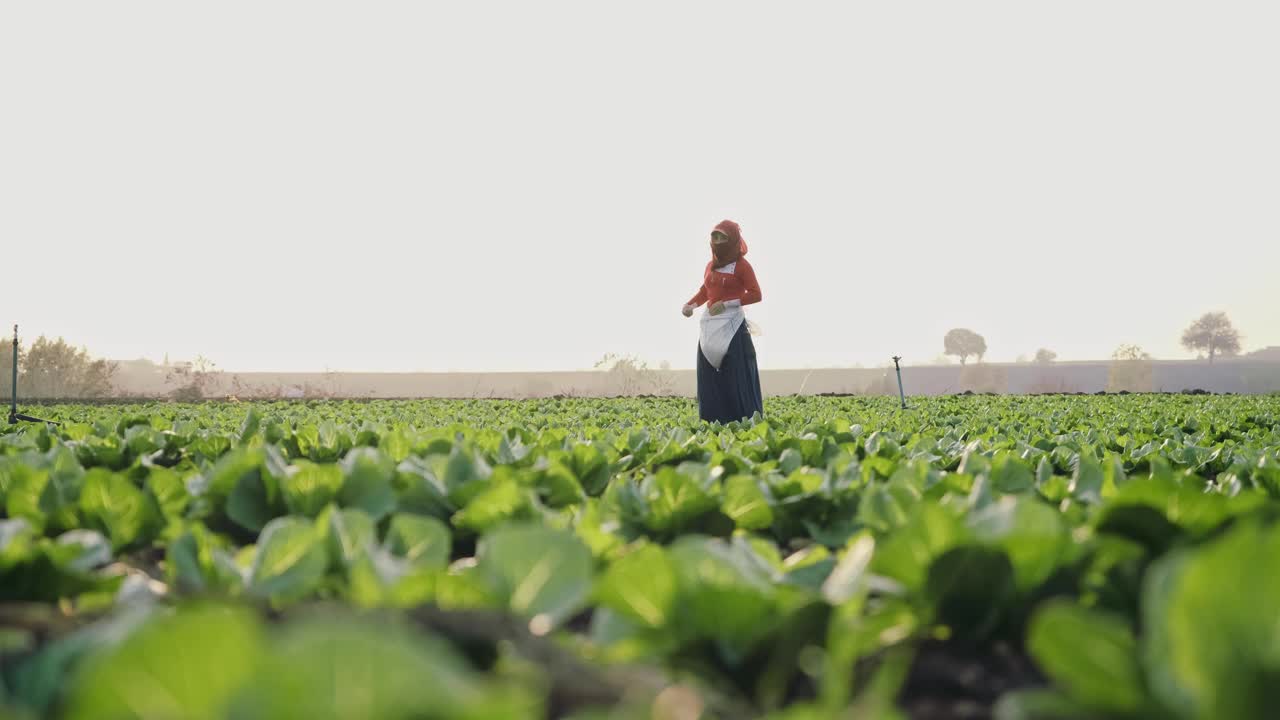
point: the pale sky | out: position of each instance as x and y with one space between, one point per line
529 185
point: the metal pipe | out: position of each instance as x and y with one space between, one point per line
901 396
14 416
13 397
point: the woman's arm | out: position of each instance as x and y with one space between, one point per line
750 287
700 298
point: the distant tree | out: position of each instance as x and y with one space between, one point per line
57 369
1045 356
964 343
1130 370
1130 352
1214 334
632 375
97 379
194 379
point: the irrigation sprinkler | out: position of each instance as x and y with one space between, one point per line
898 370
14 416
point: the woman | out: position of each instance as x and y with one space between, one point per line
728 378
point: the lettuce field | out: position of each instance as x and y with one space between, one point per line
1011 557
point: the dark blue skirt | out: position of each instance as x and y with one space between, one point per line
731 393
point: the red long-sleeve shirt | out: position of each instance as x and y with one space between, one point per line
718 287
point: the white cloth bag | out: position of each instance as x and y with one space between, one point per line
717 331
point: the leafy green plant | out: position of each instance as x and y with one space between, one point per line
1098 556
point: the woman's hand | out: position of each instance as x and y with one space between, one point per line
687 311
716 308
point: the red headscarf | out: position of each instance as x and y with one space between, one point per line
734 233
